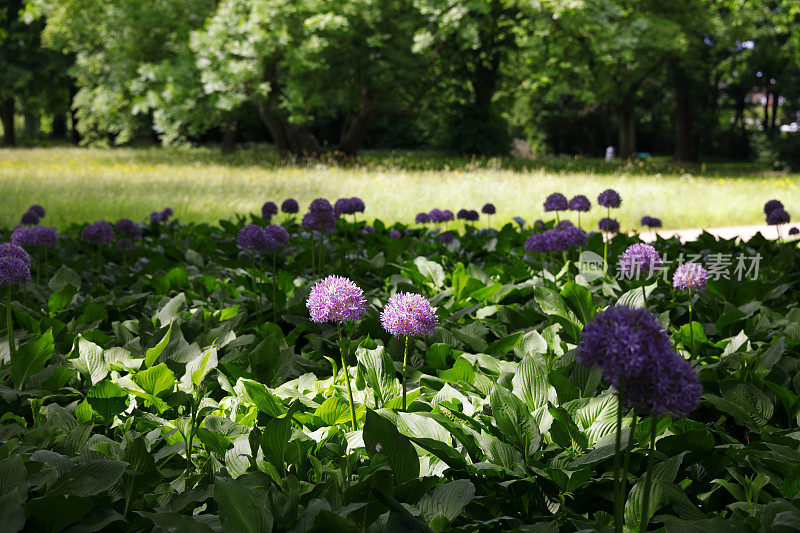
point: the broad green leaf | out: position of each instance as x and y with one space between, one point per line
462 371
156 379
431 270
89 478
635 297
579 299
382 438
197 368
664 471
506 344
152 354
170 310
12 513
107 399
530 383
377 369
90 361
275 440
333 411
514 421
64 277
532 343
31 358
239 510
448 499
265 401
437 355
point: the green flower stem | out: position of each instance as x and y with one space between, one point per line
344 349
12 347
648 480
644 293
274 288
627 460
405 376
691 324
253 280
619 506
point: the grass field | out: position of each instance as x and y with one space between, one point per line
84 185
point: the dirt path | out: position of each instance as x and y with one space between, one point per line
729 232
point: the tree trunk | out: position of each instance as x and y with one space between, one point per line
59 126
766 111
289 138
774 123
683 119
229 136
73 118
7 118
627 127
32 123
353 133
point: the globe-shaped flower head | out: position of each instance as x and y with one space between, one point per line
268 210
640 259
771 206
128 228
395 234
794 231
43 236
98 233
446 237
571 237
253 237
366 230
436 215
290 206
690 276
651 222
422 218
609 198
409 314
22 236
15 265
556 202
166 214
277 237
124 245
39 210
357 205
343 206
448 215
335 299
778 216
488 209
609 225
29 218
580 203
320 216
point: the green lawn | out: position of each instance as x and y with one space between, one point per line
84 185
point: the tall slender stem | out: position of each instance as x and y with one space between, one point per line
344 349
627 461
691 323
12 346
274 289
618 497
648 480
405 375
644 294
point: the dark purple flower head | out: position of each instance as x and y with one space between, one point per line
520 221
409 314
448 215
395 234
357 204
623 342
268 210
128 228
98 233
39 210
446 237
155 218
22 236
290 206
572 237
609 225
15 265
166 214
461 214
794 231
580 203
8 249
124 245
638 259
29 218
335 299
609 198
44 236
320 216
669 385
436 215
277 237
488 209
548 241
368 229
651 222
556 202
564 224
343 206
468 214
253 237
771 206
422 218
690 276
778 216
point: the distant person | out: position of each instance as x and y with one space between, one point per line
610 153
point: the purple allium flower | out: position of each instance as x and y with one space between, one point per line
15 265
335 299
422 218
155 218
268 210
124 245
538 225
670 385
320 216
794 231
623 341
29 218
556 202
357 204
253 237
448 215
564 224
447 237
609 198
609 225
640 258
580 203
771 206
13 251
777 217
367 229
290 206
488 209
277 237
409 314
128 228
651 222
572 237
43 236
537 244
471 215
22 236
98 233
395 234
436 215
166 214
343 206
39 210
461 213
690 276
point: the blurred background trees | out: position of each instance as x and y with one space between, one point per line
686 77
